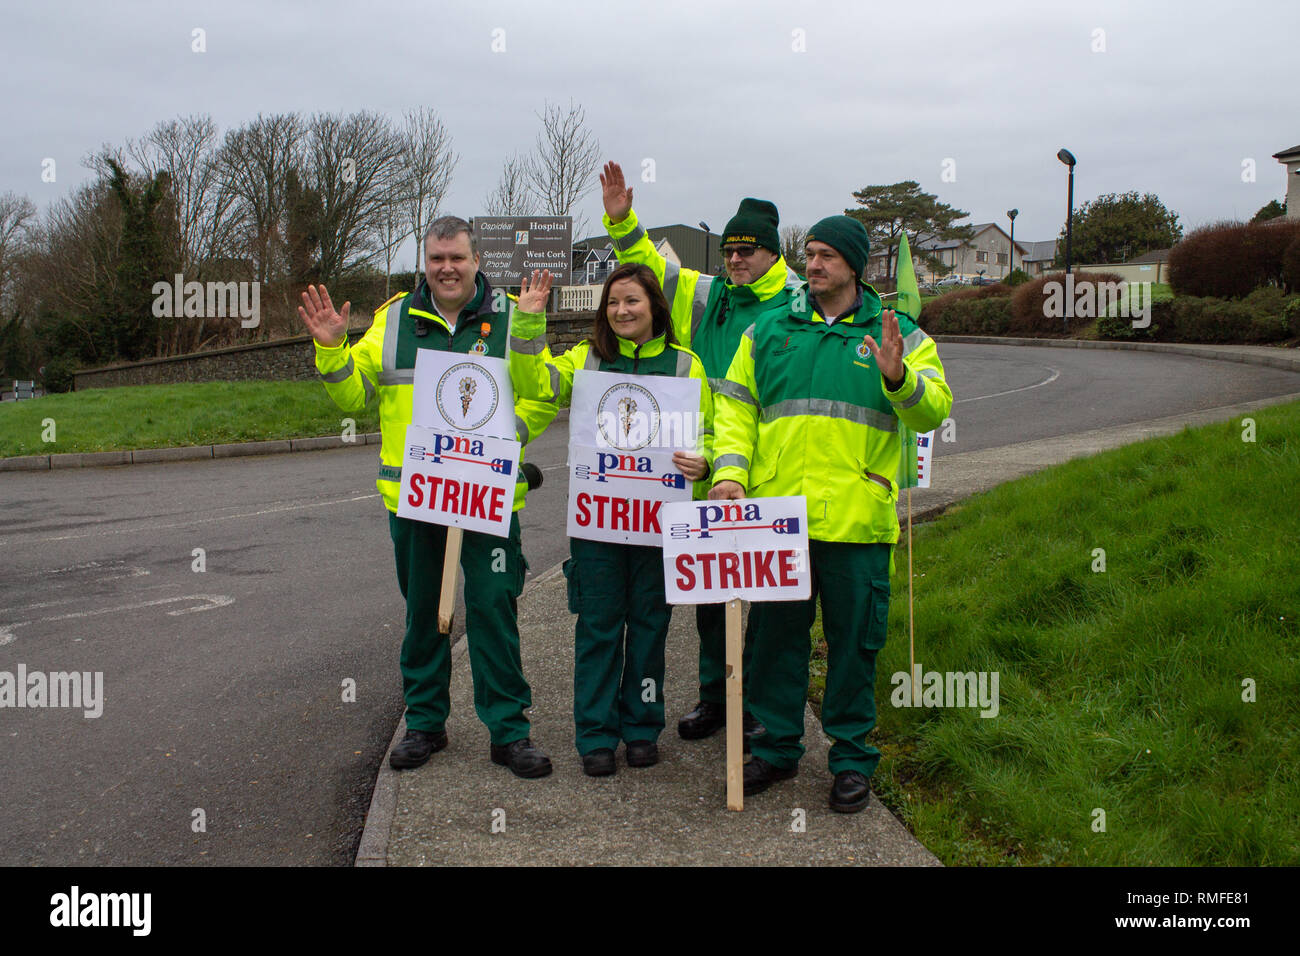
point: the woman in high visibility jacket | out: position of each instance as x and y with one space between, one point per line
617 590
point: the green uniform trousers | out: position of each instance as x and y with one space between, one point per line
711 622
494 578
617 591
852 581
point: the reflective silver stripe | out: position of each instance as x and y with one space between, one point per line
825 408
913 341
628 241
531 346
700 303
591 362
749 334
370 389
928 372
683 363
342 374
555 380
914 397
672 272
405 376
725 386
392 318
521 429
731 461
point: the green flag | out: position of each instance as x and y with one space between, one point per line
909 302
909 294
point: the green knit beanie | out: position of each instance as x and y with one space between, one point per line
755 221
847 236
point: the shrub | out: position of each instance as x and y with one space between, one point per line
973 315
1121 327
1291 266
1265 316
936 309
57 375
1016 277
1033 303
1230 259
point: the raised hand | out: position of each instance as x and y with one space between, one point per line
889 354
614 192
326 326
534 296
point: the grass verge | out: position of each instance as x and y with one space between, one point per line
1127 691
162 416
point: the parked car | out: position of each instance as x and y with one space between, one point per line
982 280
948 281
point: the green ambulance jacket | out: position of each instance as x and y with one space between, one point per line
807 414
383 362
538 375
709 313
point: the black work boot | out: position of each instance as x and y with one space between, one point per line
523 759
416 748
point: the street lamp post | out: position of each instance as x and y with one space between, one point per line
707 231
1011 255
1067 157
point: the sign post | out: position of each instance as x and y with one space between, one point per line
752 549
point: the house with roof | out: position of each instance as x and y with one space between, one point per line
987 252
592 264
1290 158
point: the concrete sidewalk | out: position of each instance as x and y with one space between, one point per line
674 813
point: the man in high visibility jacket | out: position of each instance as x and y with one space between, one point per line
453 309
816 398
709 314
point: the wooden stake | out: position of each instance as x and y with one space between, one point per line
450 565
735 711
911 624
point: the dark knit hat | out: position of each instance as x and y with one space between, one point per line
755 221
847 236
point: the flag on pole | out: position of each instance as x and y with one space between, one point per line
909 303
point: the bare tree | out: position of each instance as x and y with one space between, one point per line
512 196
255 161
426 149
16 216
353 162
793 239
563 168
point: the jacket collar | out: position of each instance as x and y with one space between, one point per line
866 307
765 286
482 296
647 349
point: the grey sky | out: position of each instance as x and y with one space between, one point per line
713 92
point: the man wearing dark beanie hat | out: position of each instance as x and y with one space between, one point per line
709 315
812 407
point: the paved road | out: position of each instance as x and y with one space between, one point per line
223 689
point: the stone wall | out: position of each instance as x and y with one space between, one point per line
282 360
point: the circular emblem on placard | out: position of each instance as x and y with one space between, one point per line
467 396
628 417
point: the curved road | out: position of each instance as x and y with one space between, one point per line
225 736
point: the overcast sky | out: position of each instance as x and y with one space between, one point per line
800 103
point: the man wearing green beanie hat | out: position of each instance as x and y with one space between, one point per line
812 406
709 314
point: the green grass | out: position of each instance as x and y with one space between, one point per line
1120 690
161 416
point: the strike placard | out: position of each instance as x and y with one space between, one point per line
466 392
634 412
924 455
755 549
617 496
464 481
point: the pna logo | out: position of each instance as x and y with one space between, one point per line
733 516
458 448
467 396
521 237
627 417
